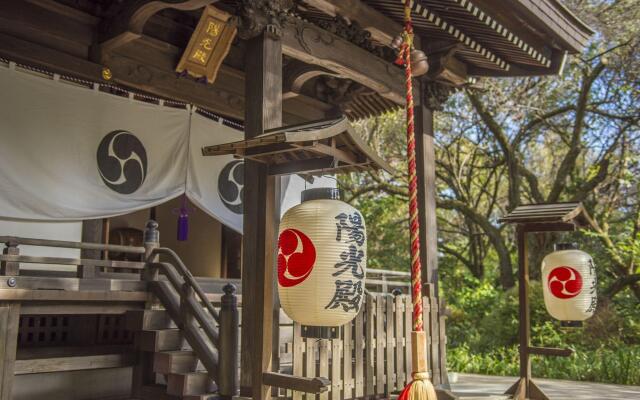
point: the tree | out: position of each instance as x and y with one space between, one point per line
538 139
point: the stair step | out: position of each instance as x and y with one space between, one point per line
171 362
190 384
206 396
160 340
156 392
138 320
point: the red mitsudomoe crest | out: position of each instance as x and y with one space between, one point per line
296 257
564 282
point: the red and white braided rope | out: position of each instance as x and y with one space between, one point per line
416 267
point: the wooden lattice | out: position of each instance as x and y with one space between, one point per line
72 330
43 330
111 330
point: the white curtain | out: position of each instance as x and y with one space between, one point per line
215 183
68 152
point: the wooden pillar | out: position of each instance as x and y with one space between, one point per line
432 96
263 110
91 233
523 295
9 323
143 374
426 162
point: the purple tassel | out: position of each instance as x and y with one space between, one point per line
183 221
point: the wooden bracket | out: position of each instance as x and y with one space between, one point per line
128 24
549 351
526 389
308 385
445 394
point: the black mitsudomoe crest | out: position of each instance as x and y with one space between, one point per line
231 185
122 161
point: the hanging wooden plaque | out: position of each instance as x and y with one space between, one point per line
209 44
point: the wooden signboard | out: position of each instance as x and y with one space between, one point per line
209 44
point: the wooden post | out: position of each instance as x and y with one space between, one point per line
7 267
263 110
105 236
143 371
520 389
9 324
151 241
92 232
536 218
228 349
523 295
426 161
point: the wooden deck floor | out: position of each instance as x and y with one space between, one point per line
485 387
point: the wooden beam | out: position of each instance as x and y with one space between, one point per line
29 53
550 351
148 64
308 43
307 385
63 295
9 322
346 157
157 76
128 24
76 363
263 93
383 29
72 261
303 166
60 28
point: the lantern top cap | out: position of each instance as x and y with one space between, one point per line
571 213
565 246
325 193
314 148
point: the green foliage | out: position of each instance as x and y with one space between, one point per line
483 328
386 228
605 364
507 142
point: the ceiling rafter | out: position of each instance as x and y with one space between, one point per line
503 31
452 30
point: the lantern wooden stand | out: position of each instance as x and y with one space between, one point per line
537 218
316 148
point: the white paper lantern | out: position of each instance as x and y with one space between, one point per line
322 258
569 283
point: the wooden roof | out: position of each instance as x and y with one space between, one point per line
498 37
316 148
573 213
325 71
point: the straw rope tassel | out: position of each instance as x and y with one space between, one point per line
420 388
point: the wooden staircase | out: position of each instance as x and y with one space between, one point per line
188 350
179 372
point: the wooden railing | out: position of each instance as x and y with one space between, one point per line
371 357
387 281
212 334
189 307
86 267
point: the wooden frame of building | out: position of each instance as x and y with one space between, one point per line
537 219
294 61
